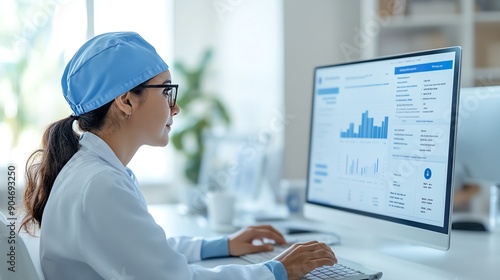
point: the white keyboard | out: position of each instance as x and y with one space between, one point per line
264 256
344 269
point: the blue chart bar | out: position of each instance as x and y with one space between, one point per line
367 129
354 167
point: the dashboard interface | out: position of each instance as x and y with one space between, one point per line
382 135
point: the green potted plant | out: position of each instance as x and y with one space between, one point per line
201 112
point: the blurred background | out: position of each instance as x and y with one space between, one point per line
245 70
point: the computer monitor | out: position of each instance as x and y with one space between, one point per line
382 143
477 136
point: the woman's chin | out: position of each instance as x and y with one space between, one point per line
162 141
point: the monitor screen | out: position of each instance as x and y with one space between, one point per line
382 144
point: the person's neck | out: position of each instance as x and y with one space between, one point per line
121 143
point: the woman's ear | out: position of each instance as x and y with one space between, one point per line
125 104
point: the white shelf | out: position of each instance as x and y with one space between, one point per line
477 33
487 17
404 22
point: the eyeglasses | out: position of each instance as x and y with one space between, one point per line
170 90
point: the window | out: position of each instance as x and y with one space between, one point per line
37 40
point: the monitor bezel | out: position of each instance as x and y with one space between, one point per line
431 236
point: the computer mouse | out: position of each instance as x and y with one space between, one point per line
468 225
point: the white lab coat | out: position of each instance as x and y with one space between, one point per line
96 226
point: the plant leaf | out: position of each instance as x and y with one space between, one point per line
222 111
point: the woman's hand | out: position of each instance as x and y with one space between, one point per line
240 243
301 258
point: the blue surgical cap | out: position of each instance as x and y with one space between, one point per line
107 66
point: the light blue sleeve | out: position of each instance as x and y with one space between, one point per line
213 248
277 269
219 247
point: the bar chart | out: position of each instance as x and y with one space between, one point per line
367 129
358 167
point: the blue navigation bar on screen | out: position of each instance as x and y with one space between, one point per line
433 66
333 90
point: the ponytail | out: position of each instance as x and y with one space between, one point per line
59 144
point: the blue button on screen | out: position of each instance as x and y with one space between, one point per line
427 173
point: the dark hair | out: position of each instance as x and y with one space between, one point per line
59 143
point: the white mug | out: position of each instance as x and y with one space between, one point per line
220 208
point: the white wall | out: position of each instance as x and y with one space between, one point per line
314 31
194 29
247 68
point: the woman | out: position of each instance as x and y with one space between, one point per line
95 220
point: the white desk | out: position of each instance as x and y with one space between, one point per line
473 255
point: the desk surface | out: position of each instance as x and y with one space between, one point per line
473 255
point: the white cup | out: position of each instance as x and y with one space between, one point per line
220 207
